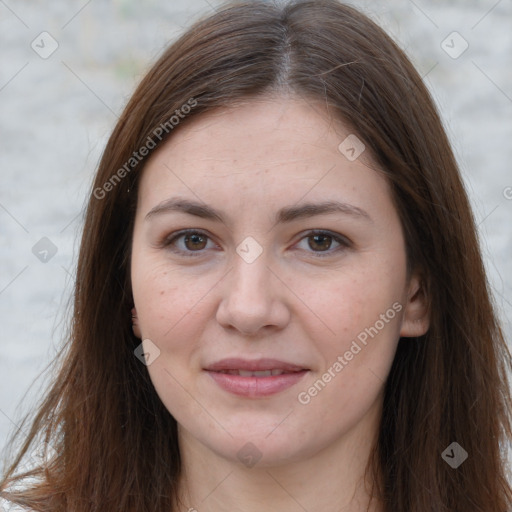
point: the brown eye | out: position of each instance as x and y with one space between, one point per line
187 243
195 241
321 242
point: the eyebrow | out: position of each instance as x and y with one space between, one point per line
284 215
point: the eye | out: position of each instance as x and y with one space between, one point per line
192 241
321 242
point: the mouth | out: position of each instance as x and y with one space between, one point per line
259 378
261 373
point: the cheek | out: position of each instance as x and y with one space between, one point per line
168 301
363 312
351 301
365 317
175 309
163 293
171 310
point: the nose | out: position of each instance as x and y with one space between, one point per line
253 298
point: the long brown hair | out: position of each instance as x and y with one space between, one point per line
116 444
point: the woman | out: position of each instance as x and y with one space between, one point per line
280 212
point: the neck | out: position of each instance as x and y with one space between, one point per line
332 480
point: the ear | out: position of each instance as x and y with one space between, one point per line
416 317
135 323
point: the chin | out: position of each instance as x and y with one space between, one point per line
260 450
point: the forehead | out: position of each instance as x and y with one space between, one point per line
257 126
262 151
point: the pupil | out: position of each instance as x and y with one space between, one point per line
195 239
324 238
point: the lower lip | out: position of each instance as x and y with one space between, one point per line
256 386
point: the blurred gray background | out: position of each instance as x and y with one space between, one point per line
67 70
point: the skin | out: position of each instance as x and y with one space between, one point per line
289 303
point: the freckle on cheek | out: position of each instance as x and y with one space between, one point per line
162 292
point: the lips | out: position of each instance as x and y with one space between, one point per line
261 373
253 379
260 365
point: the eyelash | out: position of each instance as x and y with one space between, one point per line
168 241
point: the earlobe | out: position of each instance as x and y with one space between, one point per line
416 317
135 323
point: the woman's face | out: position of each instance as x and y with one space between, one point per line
293 260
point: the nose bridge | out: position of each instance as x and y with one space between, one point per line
250 297
250 281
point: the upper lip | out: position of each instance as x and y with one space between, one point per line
254 365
